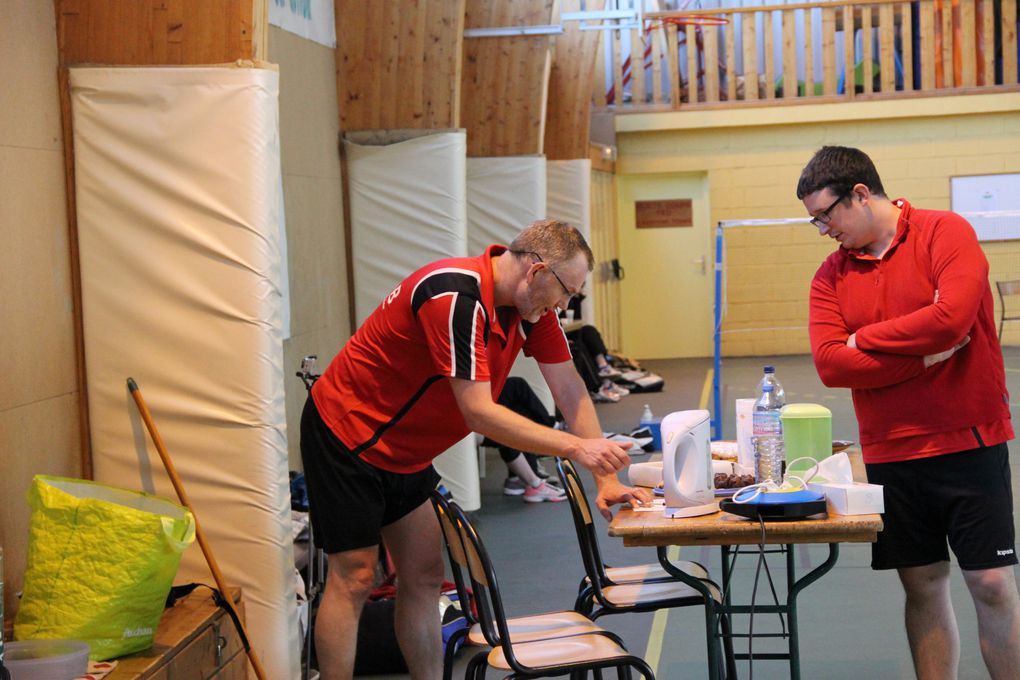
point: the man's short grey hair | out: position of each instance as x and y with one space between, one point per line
554 241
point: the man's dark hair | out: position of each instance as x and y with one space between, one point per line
839 168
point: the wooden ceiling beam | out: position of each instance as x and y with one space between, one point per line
568 120
399 63
506 79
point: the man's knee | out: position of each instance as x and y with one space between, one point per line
928 581
427 577
992 587
351 577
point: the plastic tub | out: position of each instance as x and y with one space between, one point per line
46 659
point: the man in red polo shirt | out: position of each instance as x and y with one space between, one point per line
902 314
422 372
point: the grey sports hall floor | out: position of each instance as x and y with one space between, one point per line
850 620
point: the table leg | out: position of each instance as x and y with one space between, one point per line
791 601
711 612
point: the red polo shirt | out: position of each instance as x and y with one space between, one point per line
386 395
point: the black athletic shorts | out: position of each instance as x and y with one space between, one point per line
964 497
350 500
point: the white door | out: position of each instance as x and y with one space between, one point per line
666 293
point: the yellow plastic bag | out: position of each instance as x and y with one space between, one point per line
101 561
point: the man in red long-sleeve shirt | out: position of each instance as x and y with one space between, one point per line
902 314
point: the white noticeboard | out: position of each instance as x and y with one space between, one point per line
991 203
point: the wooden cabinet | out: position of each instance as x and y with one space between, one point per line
196 640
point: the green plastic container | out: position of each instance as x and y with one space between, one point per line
807 431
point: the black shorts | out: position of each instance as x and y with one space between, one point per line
964 497
350 500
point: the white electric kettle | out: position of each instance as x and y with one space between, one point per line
687 464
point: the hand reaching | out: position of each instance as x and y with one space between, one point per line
601 455
611 492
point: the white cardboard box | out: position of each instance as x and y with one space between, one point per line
851 499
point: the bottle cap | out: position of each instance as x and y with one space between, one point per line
770 369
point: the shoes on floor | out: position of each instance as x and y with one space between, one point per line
514 486
544 492
606 394
608 371
619 389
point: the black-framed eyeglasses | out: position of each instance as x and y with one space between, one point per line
822 218
552 271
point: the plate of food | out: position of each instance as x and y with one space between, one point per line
841 445
729 484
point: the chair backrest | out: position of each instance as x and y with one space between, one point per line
1007 288
491 615
584 525
455 553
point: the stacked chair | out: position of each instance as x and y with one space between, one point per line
555 643
640 588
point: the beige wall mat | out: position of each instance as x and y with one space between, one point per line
177 192
568 198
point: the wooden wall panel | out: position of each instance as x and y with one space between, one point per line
568 117
399 63
154 32
506 79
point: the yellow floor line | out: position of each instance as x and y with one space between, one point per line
658 632
706 389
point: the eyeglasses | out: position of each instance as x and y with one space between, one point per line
552 271
822 218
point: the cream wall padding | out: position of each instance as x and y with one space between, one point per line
408 208
177 172
568 191
505 194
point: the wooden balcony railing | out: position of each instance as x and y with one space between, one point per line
799 53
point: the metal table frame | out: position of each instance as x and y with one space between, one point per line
729 533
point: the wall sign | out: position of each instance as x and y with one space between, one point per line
665 213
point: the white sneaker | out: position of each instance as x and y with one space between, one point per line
606 394
544 492
619 390
608 371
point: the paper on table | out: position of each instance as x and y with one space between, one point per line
834 469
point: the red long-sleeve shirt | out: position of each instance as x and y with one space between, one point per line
903 410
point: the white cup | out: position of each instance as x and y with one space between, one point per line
745 429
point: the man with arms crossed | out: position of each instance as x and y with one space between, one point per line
902 314
420 374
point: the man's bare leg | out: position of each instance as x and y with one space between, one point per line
930 620
998 614
350 579
414 544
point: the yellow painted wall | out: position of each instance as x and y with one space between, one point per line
752 165
39 395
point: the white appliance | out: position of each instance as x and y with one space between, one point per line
687 464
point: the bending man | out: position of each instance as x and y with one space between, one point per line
420 374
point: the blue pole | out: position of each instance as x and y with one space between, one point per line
717 362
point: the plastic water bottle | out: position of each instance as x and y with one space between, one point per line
769 377
654 426
767 430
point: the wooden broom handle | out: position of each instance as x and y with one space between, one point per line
143 410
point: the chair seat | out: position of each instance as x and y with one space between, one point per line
633 594
575 649
539 627
643 572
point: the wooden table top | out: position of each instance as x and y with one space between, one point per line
723 528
